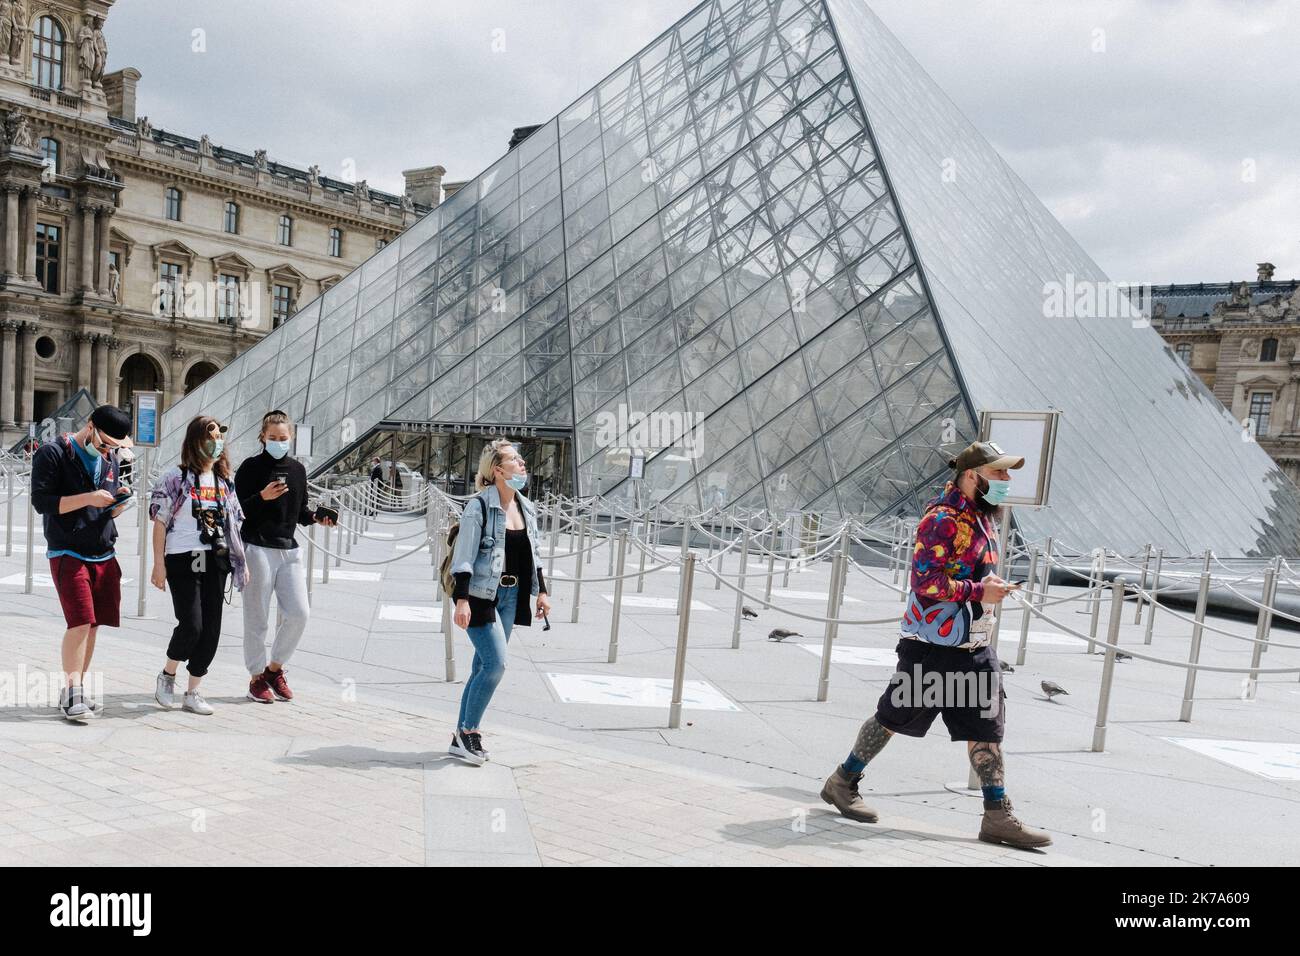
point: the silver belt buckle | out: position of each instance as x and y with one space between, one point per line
508 583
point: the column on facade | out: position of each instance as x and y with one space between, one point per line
100 390
30 197
114 380
85 374
102 221
8 369
176 389
11 230
27 390
86 280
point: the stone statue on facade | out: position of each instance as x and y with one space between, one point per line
101 55
362 189
114 284
143 128
17 31
6 27
259 160
313 173
205 145
17 132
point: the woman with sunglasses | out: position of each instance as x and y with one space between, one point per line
196 546
496 550
272 489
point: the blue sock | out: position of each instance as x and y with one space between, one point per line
853 764
994 794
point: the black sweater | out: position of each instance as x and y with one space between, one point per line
269 524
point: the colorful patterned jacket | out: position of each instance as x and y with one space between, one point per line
171 492
954 550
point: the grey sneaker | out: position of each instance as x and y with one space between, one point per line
195 704
72 705
92 705
164 690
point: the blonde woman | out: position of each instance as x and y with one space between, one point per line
496 549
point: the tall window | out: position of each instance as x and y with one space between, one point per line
1268 351
47 54
172 204
232 217
50 149
48 241
1184 351
1261 409
227 299
380 243
285 237
336 242
169 288
281 304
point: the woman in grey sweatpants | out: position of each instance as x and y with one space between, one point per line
272 488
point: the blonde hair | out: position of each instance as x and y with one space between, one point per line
275 417
493 452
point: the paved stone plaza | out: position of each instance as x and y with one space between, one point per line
584 769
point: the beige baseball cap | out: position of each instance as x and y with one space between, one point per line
981 453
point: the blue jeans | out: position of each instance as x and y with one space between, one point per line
489 642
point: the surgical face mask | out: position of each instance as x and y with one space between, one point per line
93 443
997 491
517 482
277 449
213 448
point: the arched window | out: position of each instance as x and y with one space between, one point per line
1268 351
47 54
172 204
50 148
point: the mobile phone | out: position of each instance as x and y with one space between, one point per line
330 513
281 476
118 499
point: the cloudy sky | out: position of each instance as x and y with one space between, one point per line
1163 133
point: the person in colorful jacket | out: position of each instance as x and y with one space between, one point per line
196 546
945 664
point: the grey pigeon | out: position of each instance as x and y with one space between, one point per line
780 634
1051 689
747 611
1121 656
1006 667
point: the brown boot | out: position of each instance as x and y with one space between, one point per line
841 792
1001 826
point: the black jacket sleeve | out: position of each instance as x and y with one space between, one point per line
47 473
250 498
461 591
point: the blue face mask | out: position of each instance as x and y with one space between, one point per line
517 482
213 448
277 449
997 491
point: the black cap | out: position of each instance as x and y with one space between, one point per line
114 423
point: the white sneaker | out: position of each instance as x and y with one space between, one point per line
72 705
195 704
164 690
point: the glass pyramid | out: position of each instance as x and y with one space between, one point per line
745 228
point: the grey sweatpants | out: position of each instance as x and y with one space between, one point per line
278 572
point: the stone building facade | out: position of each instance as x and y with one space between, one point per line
135 258
1243 340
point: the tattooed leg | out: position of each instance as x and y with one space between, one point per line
986 758
871 740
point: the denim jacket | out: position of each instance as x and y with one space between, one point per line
171 492
481 549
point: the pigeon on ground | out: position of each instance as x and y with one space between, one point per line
1051 689
747 611
780 634
1006 667
1121 656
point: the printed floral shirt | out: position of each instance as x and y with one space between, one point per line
953 550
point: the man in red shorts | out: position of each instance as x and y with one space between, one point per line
77 489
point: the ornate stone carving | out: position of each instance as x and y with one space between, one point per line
92 52
178 353
1241 294
17 131
113 343
17 18
362 189
114 283
313 174
260 161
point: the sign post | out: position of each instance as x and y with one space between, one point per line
146 408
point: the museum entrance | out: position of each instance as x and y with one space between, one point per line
447 456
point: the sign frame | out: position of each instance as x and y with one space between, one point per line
1050 420
146 418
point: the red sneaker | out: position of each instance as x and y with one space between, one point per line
279 686
259 689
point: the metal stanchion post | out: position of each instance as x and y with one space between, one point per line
311 561
618 598
31 515
141 488
771 566
839 564
1096 600
640 576
1155 596
577 570
325 556
905 561
1047 570
1026 603
1142 584
448 638
896 550
1189 688
683 628
686 548
740 597
1263 624
1108 665
11 490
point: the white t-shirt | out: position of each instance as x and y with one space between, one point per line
184 534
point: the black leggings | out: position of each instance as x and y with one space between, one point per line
197 598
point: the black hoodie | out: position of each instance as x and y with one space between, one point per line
57 472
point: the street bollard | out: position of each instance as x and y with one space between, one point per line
1189 688
618 598
1026 604
740 587
683 628
311 560
1154 600
448 638
1108 665
1142 584
1263 624
577 571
